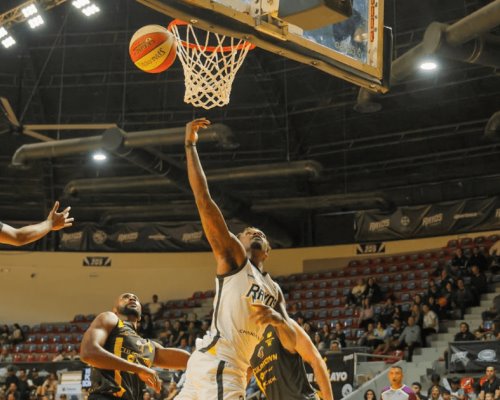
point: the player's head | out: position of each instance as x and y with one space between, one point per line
128 305
395 376
255 243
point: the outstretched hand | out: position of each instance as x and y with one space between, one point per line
150 378
264 315
192 130
60 220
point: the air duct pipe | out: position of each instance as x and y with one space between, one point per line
307 169
465 40
171 136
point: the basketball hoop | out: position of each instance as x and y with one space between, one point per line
210 64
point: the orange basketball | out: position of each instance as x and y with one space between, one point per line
153 49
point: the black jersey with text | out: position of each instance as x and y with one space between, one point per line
124 342
280 374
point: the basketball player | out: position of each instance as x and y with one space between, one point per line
280 372
27 234
217 370
120 358
397 389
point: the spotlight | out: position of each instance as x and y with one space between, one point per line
35 22
30 10
91 10
80 3
3 32
8 42
428 65
99 156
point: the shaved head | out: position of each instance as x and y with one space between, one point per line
128 304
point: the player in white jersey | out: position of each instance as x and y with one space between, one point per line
246 300
397 389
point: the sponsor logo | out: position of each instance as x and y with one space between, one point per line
269 339
405 220
487 355
250 333
157 237
192 237
259 295
265 361
370 248
97 262
341 376
378 226
346 389
260 352
466 215
71 237
128 237
459 357
433 220
99 237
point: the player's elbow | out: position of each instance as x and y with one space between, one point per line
87 354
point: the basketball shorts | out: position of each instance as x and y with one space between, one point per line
209 378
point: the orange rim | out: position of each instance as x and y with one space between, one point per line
210 49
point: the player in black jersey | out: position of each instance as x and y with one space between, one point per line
280 372
27 234
122 360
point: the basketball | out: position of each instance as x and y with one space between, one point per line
153 49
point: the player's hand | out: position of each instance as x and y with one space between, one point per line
150 378
60 220
192 130
264 315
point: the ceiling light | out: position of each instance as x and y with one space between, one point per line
99 156
428 65
91 10
8 42
35 22
3 32
80 3
30 10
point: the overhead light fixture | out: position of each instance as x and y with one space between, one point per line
428 65
80 3
3 32
90 10
99 156
35 22
30 10
8 42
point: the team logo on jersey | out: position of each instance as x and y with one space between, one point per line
269 339
260 352
259 295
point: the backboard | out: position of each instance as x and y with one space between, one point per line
357 49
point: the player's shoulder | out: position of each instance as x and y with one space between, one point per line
106 319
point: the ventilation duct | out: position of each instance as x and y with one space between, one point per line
296 169
219 133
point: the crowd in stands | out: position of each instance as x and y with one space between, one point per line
382 324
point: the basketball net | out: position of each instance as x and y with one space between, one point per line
210 64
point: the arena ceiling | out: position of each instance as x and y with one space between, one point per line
425 145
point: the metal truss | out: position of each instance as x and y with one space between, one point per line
15 15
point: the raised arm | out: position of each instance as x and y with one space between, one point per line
170 358
92 351
228 251
311 355
27 234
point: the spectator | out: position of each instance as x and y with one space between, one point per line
410 338
464 334
319 342
5 356
357 292
25 385
36 378
479 259
381 340
434 393
462 297
370 395
445 280
13 392
373 291
387 312
367 339
339 334
17 335
417 389
430 323
416 313
436 381
335 346
431 301
489 396
146 326
155 307
456 392
48 388
11 376
433 290
417 300
295 313
459 259
366 314
478 283
491 385
446 395
4 334
445 302
146 395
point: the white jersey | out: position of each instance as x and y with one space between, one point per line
233 337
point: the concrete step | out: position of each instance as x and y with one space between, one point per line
490 296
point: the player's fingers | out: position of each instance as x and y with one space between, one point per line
66 210
55 207
70 219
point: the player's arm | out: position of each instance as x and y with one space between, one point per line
311 355
170 358
227 249
31 233
92 351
